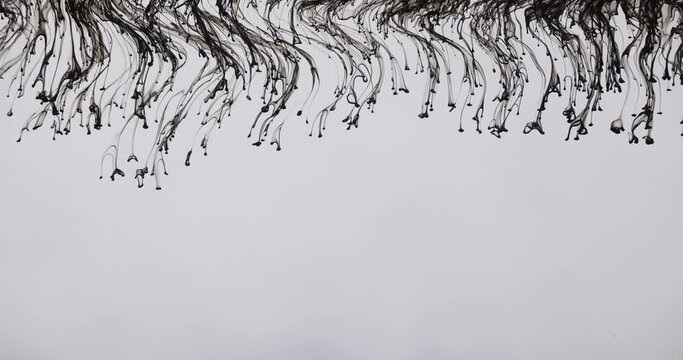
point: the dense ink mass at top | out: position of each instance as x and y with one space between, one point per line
119 63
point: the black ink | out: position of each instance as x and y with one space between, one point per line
91 61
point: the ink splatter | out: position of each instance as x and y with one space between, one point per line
120 63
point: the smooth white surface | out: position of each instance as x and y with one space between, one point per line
402 239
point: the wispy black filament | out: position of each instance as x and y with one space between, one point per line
93 63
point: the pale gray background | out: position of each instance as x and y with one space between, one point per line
400 240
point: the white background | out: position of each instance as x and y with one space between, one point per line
402 239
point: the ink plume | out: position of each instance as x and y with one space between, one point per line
150 69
